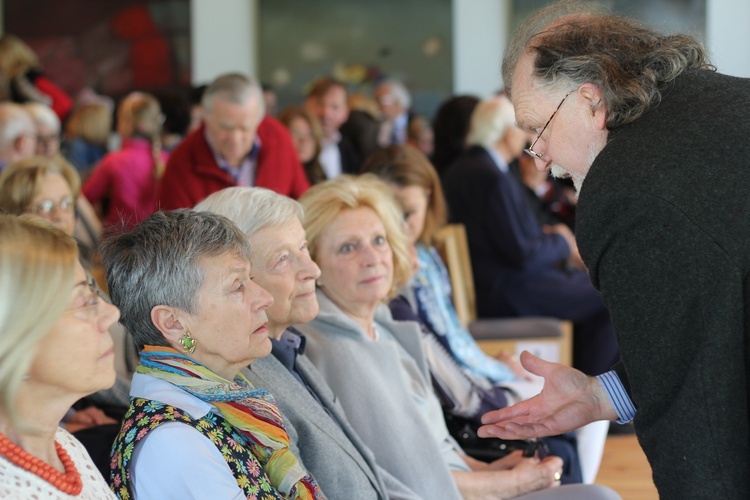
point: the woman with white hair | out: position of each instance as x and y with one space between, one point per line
54 350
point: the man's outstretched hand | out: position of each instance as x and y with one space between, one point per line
569 400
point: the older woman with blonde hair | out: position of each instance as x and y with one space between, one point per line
46 187
49 187
376 366
54 350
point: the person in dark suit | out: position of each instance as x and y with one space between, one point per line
521 268
450 126
327 100
656 142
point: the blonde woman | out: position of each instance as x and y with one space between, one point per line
49 187
54 350
376 365
129 177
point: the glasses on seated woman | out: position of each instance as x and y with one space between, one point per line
54 349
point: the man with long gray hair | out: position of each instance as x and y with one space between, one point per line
237 145
656 143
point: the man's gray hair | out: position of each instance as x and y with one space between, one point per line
630 64
398 91
15 122
489 122
235 88
533 26
159 263
253 208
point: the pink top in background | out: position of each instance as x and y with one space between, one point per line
127 178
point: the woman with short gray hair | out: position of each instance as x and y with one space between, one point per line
182 280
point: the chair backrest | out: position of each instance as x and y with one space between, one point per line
551 339
454 249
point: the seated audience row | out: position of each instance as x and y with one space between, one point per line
223 323
293 424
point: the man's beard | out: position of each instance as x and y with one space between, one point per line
559 172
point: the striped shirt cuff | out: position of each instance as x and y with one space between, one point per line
618 396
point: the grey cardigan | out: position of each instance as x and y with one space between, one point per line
384 388
337 458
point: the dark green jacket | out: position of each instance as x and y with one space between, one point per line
664 227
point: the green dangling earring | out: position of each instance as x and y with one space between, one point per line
188 343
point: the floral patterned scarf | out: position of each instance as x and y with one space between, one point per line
251 411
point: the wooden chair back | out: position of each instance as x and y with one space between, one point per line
453 247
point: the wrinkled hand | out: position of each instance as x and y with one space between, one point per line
569 400
538 475
530 473
88 417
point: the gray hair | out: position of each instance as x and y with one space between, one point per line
572 46
398 91
252 208
235 88
533 26
489 121
43 115
14 123
158 263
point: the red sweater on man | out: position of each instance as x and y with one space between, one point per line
192 172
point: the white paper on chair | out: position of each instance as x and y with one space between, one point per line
548 351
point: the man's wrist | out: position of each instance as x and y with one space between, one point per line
618 401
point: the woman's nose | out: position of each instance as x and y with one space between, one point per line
262 299
108 314
309 269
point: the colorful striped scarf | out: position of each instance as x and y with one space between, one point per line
251 411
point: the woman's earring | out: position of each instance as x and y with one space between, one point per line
188 343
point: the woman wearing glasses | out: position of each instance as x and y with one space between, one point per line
45 187
54 350
48 186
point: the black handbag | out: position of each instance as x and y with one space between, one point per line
488 449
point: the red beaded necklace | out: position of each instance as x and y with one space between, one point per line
68 482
